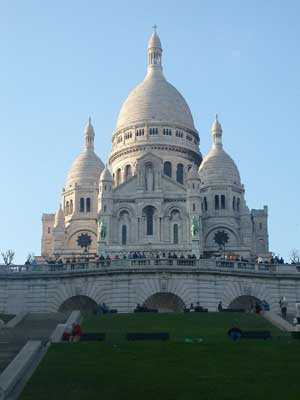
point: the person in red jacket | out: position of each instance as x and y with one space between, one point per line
76 333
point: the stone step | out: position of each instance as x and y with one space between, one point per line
32 327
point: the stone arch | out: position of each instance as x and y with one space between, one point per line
225 227
165 302
127 209
125 225
72 239
127 172
233 289
245 302
169 209
79 302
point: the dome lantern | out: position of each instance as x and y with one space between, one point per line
216 131
154 51
89 135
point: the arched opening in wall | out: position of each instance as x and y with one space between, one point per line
168 169
245 302
128 172
124 235
149 177
82 303
165 302
179 173
81 205
118 177
71 206
88 204
124 227
217 205
148 213
175 234
67 208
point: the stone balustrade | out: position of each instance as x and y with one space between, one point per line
122 265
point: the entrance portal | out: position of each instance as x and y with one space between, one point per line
83 303
165 302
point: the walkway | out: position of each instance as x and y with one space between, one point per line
33 326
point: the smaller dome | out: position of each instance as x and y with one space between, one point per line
106 175
87 167
59 220
219 168
193 173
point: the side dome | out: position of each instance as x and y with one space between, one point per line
217 166
155 99
87 166
106 175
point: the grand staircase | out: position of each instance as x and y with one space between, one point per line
34 327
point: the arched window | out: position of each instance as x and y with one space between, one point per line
71 206
175 234
149 214
118 178
238 204
128 172
168 169
223 204
179 173
205 204
124 234
233 203
217 205
88 205
81 205
194 207
67 208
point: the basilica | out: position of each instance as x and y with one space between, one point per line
156 194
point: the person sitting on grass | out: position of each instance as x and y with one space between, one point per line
234 333
76 333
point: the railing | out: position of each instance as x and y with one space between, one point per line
117 265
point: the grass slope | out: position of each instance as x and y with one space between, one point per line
212 370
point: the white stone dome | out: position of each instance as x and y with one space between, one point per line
155 99
106 175
87 166
217 166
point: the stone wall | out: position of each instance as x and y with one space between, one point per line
125 285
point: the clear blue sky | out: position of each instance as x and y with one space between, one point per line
62 61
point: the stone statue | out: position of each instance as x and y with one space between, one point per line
149 179
194 226
102 230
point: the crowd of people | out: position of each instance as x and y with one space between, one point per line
106 259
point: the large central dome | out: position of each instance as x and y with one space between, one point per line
155 99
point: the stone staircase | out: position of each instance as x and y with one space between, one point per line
34 327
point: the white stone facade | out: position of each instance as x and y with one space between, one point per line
151 196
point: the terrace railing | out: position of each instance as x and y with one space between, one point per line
120 265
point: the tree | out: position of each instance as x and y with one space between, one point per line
8 256
294 256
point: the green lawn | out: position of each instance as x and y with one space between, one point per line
214 369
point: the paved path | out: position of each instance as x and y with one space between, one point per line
33 326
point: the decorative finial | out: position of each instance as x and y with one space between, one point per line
217 118
90 121
154 28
